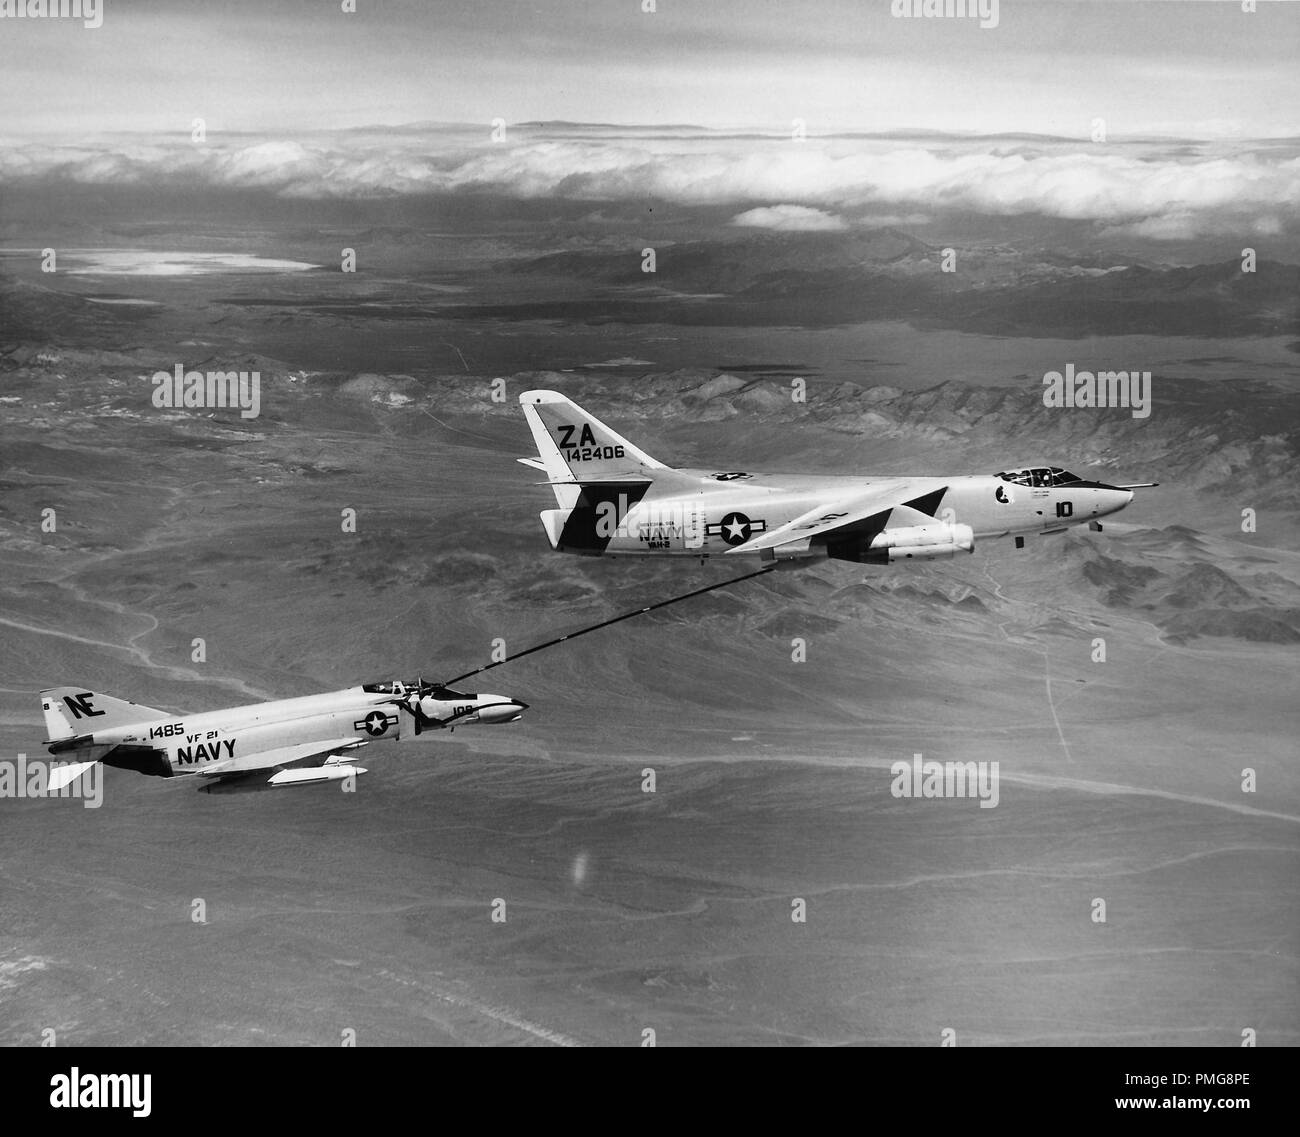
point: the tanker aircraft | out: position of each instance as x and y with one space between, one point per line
614 499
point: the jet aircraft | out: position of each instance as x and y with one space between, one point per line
286 742
615 499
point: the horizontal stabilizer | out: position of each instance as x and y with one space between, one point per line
65 775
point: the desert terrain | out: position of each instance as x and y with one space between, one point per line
627 910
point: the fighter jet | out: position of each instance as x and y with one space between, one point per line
615 499
287 742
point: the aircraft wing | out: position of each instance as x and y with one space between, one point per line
832 515
301 753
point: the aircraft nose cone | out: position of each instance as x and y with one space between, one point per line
501 710
1113 500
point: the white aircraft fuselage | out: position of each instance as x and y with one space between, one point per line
281 742
614 499
723 516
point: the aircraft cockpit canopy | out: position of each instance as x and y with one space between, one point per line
1043 476
410 687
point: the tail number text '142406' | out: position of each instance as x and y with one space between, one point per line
585 448
594 453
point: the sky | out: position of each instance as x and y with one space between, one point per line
1169 67
301 99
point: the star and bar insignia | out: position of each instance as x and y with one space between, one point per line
375 723
735 528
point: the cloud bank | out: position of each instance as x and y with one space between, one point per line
1159 189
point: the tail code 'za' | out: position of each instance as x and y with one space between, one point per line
575 447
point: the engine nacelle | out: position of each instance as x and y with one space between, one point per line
908 543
